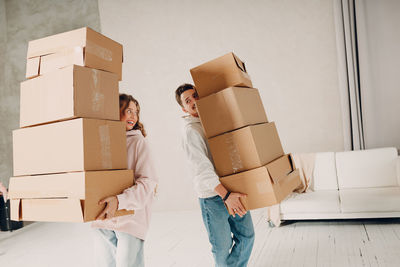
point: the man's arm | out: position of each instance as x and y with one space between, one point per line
196 151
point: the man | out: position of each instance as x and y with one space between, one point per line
222 228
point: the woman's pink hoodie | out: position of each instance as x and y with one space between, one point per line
138 197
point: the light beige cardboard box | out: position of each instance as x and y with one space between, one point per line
220 73
230 109
246 148
68 146
66 197
83 47
265 186
68 93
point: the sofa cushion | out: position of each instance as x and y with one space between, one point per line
324 175
367 168
381 199
323 201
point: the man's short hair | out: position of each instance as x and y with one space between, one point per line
184 87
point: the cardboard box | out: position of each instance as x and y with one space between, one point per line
69 93
265 186
70 184
220 73
230 109
245 149
66 196
67 146
84 47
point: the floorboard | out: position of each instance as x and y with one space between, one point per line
179 239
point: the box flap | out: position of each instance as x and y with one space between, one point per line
292 161
54 43
279 168
32 67
52 210
288 184
15 209
66 57
59 185
239 63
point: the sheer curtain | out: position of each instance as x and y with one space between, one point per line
367 33
378 33
348 70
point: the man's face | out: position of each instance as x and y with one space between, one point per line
189 98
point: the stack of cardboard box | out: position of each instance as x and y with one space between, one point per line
71 149
246 148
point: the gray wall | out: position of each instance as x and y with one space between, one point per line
5 145
20 22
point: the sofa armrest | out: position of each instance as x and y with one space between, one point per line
398 170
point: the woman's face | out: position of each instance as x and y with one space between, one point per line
129 116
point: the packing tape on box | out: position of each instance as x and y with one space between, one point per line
99 51
97 95
234 155
105 142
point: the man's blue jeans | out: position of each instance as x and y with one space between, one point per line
232 238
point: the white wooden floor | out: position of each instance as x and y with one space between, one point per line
179 239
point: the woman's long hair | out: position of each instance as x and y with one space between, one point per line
124 101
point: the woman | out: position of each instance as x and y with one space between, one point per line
119 240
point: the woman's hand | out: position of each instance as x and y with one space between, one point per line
110 209
234 205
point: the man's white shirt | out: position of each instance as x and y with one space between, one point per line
198 154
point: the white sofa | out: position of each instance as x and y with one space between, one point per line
354 184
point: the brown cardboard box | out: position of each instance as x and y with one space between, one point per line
265 186
220 73
246 148
68 93
66 197
230 109
84 47
67 146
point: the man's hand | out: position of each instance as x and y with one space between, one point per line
110 209
233 202
234 205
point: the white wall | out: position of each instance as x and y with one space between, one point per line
289 49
